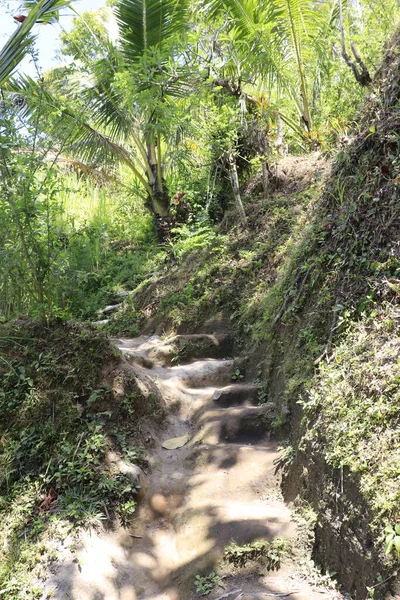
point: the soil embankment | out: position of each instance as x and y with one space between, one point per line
219 487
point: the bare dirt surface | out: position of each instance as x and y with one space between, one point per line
222 486
294 174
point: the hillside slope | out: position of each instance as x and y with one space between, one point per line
311 293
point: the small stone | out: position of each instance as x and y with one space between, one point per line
136 475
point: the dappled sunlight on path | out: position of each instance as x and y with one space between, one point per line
219 488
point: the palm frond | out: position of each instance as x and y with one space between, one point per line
243 13
299 18
68 126
17 46
98 89
49 16
146 24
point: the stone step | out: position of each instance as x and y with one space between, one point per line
201 345
110 309
179 349
237 394
101 322
202 373
242 425
124 294
121 296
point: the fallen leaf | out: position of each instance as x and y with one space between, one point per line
177 442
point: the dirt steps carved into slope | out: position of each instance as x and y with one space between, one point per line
179 348
218 488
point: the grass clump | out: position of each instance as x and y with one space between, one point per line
268 553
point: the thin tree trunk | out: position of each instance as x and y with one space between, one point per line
160 177
300 66
265 177
279 139
359 68
236 190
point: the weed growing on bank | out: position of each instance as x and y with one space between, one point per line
352 411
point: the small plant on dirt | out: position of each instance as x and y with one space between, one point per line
288 453
262 396
237 375
176 354
130 452
126 510
269 553
392 540
205 584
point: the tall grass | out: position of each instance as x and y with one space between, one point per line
109 206
98 239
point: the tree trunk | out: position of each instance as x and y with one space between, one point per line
265 177
158 202
359 68
306 112
236 190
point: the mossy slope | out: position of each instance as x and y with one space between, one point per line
66 401
311 293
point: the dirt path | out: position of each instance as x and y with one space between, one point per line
220 487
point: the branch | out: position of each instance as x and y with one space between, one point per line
365 76
234 90
361 74
328 346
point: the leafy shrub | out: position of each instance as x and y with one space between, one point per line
270 553
204 585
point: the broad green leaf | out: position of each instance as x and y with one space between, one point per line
388 544
396 543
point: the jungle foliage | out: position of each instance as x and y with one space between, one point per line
144 167
167 122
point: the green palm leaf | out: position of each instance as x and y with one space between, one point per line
242 11
249 17
146 24
99 90
18 44
74 134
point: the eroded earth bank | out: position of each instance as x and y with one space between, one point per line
211 505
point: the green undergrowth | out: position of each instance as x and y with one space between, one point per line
100 268
352 411
83 243
214 272
315 270
120 268
58 420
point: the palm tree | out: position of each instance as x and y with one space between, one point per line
282 31
99 121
